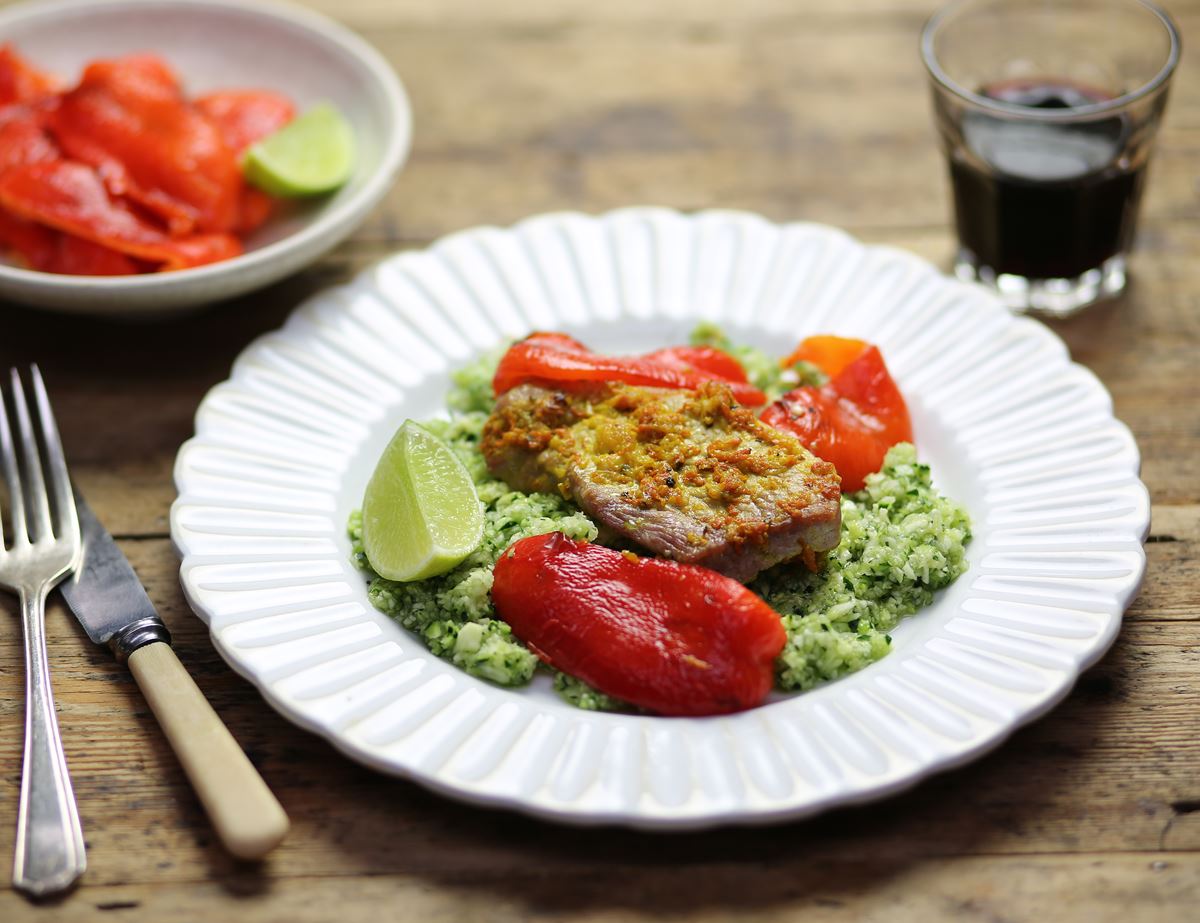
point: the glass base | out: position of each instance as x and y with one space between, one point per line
1051 297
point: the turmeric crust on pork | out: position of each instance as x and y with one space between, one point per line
689 475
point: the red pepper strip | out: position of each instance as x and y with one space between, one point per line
559 361
47 250
561 340
129 120
850 421
19 82
200 250
33 243
70 197
23 140
828 353
78 257
673 638
246 116
704 359
255 208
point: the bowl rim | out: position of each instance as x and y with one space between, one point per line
397 142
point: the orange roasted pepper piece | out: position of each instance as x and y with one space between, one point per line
828 353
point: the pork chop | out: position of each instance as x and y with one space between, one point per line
688 475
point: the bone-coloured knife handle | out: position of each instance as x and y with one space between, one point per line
247 817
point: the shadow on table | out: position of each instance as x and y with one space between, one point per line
1090 334
173 346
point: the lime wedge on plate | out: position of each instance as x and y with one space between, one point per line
421 515
309 156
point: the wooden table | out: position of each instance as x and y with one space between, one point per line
792 108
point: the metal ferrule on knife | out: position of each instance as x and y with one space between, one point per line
137 634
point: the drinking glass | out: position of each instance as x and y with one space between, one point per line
1047 112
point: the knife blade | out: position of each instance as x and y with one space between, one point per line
109 601
105 593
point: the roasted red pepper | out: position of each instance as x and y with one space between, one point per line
255 208
559 361
851 421
23 138
70 197
34 244
135 178
78 257
19 81
128 118
47 250
246 116
673 638
704 360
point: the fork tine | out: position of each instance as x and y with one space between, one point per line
37 506
12 475
66 519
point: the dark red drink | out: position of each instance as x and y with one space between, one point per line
1045 200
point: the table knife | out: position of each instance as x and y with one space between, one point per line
108 599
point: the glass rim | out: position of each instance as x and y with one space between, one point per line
1073 114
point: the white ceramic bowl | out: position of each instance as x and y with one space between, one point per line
214 44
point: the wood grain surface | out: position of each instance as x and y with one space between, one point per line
798 109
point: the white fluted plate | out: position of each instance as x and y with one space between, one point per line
1013 429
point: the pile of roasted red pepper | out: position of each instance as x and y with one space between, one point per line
121 173
673 638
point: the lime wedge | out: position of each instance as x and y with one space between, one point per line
309 156
421 515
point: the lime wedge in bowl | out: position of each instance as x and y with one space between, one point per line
311 155
421 515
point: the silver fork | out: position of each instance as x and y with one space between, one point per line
43 548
